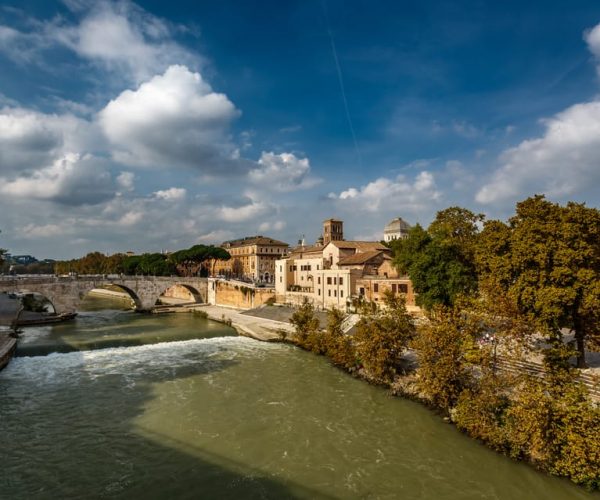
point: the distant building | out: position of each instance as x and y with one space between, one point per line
396 229
333 230
252 257
334 273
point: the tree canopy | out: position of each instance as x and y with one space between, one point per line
547 261
440 261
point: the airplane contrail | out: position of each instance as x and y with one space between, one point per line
341 82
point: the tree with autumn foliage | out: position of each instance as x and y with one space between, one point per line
547 261
382 337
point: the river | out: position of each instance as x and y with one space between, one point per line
121 405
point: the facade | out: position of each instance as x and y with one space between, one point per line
252 257
333 274
396 229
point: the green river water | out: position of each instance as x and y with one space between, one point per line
121 405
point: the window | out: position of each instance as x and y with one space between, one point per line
319 280
394 288
403 288
280 279
295 268
291 269
280 269
361 291
329 280
329 292
335 293
341 281
317 267
341 293
335 281
376 288
319 291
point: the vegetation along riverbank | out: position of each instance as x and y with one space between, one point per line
496 300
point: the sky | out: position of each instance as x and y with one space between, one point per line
155 126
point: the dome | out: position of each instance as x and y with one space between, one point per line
398 225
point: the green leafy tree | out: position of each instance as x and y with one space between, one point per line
2 254
441 261
547 261
190 260
382 337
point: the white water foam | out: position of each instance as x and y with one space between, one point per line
131 361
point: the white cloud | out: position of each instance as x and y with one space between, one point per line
125 180
119 36
565 160
29 138
246 212
216 237
174 119
272 226
171 194
282 172
71 180
384 194
33 231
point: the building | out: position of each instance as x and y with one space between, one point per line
333 274
396 229
252 258
333 230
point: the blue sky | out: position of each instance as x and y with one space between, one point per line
152 125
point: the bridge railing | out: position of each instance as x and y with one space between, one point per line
46 278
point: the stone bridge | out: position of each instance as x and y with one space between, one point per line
66 293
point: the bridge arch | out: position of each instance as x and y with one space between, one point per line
180 293
135 299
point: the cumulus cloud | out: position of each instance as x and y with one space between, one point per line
282 172
565 160
272 226
384 193
29 139
174 119
119 36
70 180
171 194
251 210
125 180
215 237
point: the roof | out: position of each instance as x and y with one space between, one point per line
254 240
305 249
360 258
397 225
333 220
363 246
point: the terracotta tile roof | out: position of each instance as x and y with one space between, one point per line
363 246
254 240
359 258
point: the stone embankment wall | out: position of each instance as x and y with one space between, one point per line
237 294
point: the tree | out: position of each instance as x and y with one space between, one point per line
382 336
338 345
190 260
441 261
442 347
547 261
306 323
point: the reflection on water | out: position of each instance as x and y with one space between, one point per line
227 417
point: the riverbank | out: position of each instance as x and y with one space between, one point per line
258 328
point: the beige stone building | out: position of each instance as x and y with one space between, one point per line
334 273
252 257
